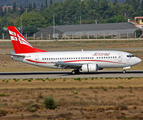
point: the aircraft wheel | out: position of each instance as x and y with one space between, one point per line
73 72
124 71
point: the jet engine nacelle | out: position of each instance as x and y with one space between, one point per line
89 68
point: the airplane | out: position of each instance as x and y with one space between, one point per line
79 61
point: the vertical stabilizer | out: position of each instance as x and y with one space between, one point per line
20 44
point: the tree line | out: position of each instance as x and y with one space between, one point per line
70 12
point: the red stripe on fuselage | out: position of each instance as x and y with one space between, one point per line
36 61
93 61
78 61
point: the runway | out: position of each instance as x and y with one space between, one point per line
67 74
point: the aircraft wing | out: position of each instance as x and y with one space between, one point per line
67 65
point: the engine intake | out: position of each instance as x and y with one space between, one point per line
89 68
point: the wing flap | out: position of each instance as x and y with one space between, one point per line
67 65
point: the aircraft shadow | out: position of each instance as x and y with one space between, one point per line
69 73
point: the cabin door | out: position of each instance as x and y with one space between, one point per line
119 57
37 59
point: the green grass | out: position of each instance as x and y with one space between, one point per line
3 95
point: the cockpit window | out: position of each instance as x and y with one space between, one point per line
130 55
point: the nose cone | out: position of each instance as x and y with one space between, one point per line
135 61
138 60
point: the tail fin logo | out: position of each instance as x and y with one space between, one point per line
16 37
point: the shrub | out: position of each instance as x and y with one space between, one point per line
74 92
92 78
29 80
138 33
33 108
90 87
4 95
49 102
40 95
3 112
78 79
25 79
120 86
16 80
122 107
104 88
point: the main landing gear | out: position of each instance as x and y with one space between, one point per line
124 71
75 72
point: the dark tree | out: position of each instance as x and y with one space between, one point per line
51 2
14 7
5 11
142 5
1 11
1 30
30 7
42 7
46 4
30 30
134 3
9 10
21 9
34 6
115 2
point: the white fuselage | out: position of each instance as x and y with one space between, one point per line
104 59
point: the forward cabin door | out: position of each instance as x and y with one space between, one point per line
119 57
37 60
